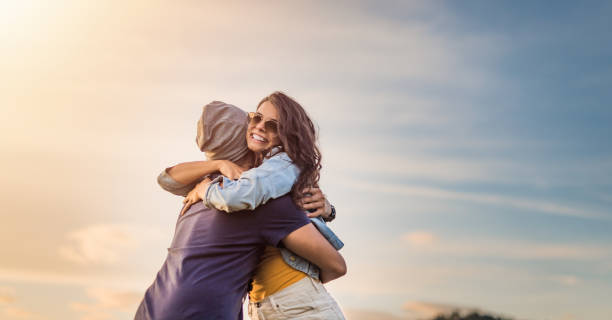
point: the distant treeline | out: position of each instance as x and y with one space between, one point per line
471 316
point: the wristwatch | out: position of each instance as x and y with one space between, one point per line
332 215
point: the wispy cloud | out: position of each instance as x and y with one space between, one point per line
106 243
471 160
428 310
9 308
566 280
7 295
419 238
105 302
414 310
13 312
430 243
47 277
569 316
361 314
481 198
419 166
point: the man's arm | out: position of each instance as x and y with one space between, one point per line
308 243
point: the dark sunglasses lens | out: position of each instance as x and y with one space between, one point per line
271 126
255 118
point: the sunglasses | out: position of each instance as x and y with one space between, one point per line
270 125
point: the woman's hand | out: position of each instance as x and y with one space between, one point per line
229 169
315 200
195 195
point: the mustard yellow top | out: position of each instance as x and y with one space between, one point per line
272 275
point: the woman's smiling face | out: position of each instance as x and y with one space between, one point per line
259 138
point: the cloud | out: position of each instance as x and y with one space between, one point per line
8 308
414 310
12 312
568 316
7 295
482 198
40 277
106 302
566 280
115 299
428 167
428 310
106 243
419 238
449 154
430 243
342 47
397 278
361 314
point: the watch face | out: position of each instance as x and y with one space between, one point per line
332 215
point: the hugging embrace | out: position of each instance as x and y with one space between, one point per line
253 221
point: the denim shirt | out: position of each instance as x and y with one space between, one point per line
273 178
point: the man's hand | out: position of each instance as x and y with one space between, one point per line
195 195
315 200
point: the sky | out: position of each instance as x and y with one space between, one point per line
465 146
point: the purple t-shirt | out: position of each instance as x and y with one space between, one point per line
212 257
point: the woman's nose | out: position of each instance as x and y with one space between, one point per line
261 125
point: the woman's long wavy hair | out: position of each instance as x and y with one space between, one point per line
299 140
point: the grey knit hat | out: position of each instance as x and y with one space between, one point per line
222 132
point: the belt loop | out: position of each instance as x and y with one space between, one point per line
314 284
253 310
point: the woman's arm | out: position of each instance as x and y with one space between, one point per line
183 177
321 211
188 172
308 243
272 179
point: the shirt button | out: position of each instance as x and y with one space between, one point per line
292 258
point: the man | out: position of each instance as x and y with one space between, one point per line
214 254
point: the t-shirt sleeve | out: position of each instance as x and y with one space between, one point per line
278 218
171 185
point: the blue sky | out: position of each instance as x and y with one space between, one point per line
465 145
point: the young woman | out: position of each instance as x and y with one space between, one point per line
282 139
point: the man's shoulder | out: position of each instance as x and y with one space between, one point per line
200 208
281 203
282 208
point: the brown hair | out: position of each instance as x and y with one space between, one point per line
299 140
